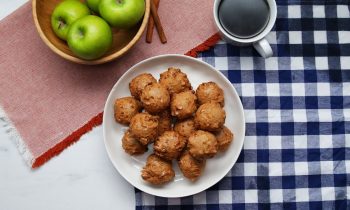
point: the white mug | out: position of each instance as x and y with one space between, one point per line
259 42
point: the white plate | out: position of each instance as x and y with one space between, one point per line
130 166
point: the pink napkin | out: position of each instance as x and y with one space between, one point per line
50 102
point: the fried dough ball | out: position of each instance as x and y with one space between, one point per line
202 145
210 117
131 145
185 128
224 138
183 105
139 83
175 81
157 171
155 98
169 145
190 167
210 92
144 127
125 108
164 123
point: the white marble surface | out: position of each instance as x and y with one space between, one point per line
81 177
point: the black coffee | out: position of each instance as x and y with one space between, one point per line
244 18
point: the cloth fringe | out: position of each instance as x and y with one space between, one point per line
15 137
75 136
206 45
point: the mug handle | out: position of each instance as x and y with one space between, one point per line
263 48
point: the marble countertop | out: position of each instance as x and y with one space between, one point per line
81 177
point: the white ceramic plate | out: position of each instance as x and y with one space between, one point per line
130 166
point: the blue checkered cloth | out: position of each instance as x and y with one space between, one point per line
296 153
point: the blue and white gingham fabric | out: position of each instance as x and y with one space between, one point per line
296 153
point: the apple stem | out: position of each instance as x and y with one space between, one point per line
81 33
119 1
61 23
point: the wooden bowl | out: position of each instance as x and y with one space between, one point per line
123 40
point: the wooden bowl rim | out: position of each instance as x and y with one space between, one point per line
102 59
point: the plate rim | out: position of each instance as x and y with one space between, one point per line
109 99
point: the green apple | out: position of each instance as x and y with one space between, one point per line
122 13
65 14
90 37
93 5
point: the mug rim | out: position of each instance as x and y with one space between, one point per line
261 35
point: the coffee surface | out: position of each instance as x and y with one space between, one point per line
244 18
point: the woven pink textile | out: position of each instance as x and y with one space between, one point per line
47 98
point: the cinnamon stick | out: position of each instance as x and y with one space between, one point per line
150 26
158 23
